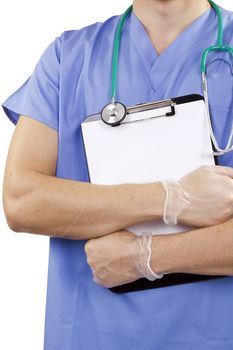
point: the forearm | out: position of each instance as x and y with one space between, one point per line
206 251
70 209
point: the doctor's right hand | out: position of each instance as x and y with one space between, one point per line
203 197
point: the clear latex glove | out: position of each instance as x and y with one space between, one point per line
142 246
176 201
203 197
120 257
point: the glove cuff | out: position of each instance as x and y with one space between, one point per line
144 256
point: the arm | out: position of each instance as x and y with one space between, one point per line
207 251
37 201
113 259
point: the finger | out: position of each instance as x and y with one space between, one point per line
224 170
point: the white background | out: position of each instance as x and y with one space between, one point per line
26 29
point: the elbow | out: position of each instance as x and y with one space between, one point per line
12 214
20 204
13 206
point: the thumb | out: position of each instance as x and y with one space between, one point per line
224 170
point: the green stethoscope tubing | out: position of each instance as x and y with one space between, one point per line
219 45
117 40
115 112
116 49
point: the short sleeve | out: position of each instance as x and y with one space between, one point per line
38 96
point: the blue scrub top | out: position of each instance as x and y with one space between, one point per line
71 80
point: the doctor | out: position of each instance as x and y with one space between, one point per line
46 189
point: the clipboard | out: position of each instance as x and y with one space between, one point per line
150 145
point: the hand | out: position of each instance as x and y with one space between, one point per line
208 193
113 258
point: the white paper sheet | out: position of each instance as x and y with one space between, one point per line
148 151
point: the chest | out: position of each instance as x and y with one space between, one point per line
140 80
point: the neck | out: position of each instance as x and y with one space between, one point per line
164 20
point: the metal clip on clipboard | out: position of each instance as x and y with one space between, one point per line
149 151
150 106
117 114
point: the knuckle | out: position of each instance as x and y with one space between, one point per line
89 260
88 253
107 284
87 246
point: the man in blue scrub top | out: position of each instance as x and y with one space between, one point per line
46 189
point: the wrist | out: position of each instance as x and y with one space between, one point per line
142 258
156 200
162 249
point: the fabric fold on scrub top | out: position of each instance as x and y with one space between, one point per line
72 80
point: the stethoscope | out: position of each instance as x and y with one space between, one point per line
115 112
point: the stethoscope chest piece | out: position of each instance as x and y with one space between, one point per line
113 113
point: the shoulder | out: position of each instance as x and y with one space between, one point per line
85 36
74 46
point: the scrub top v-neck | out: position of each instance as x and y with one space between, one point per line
159 67
71 80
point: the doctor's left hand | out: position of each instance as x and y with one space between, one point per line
112 258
